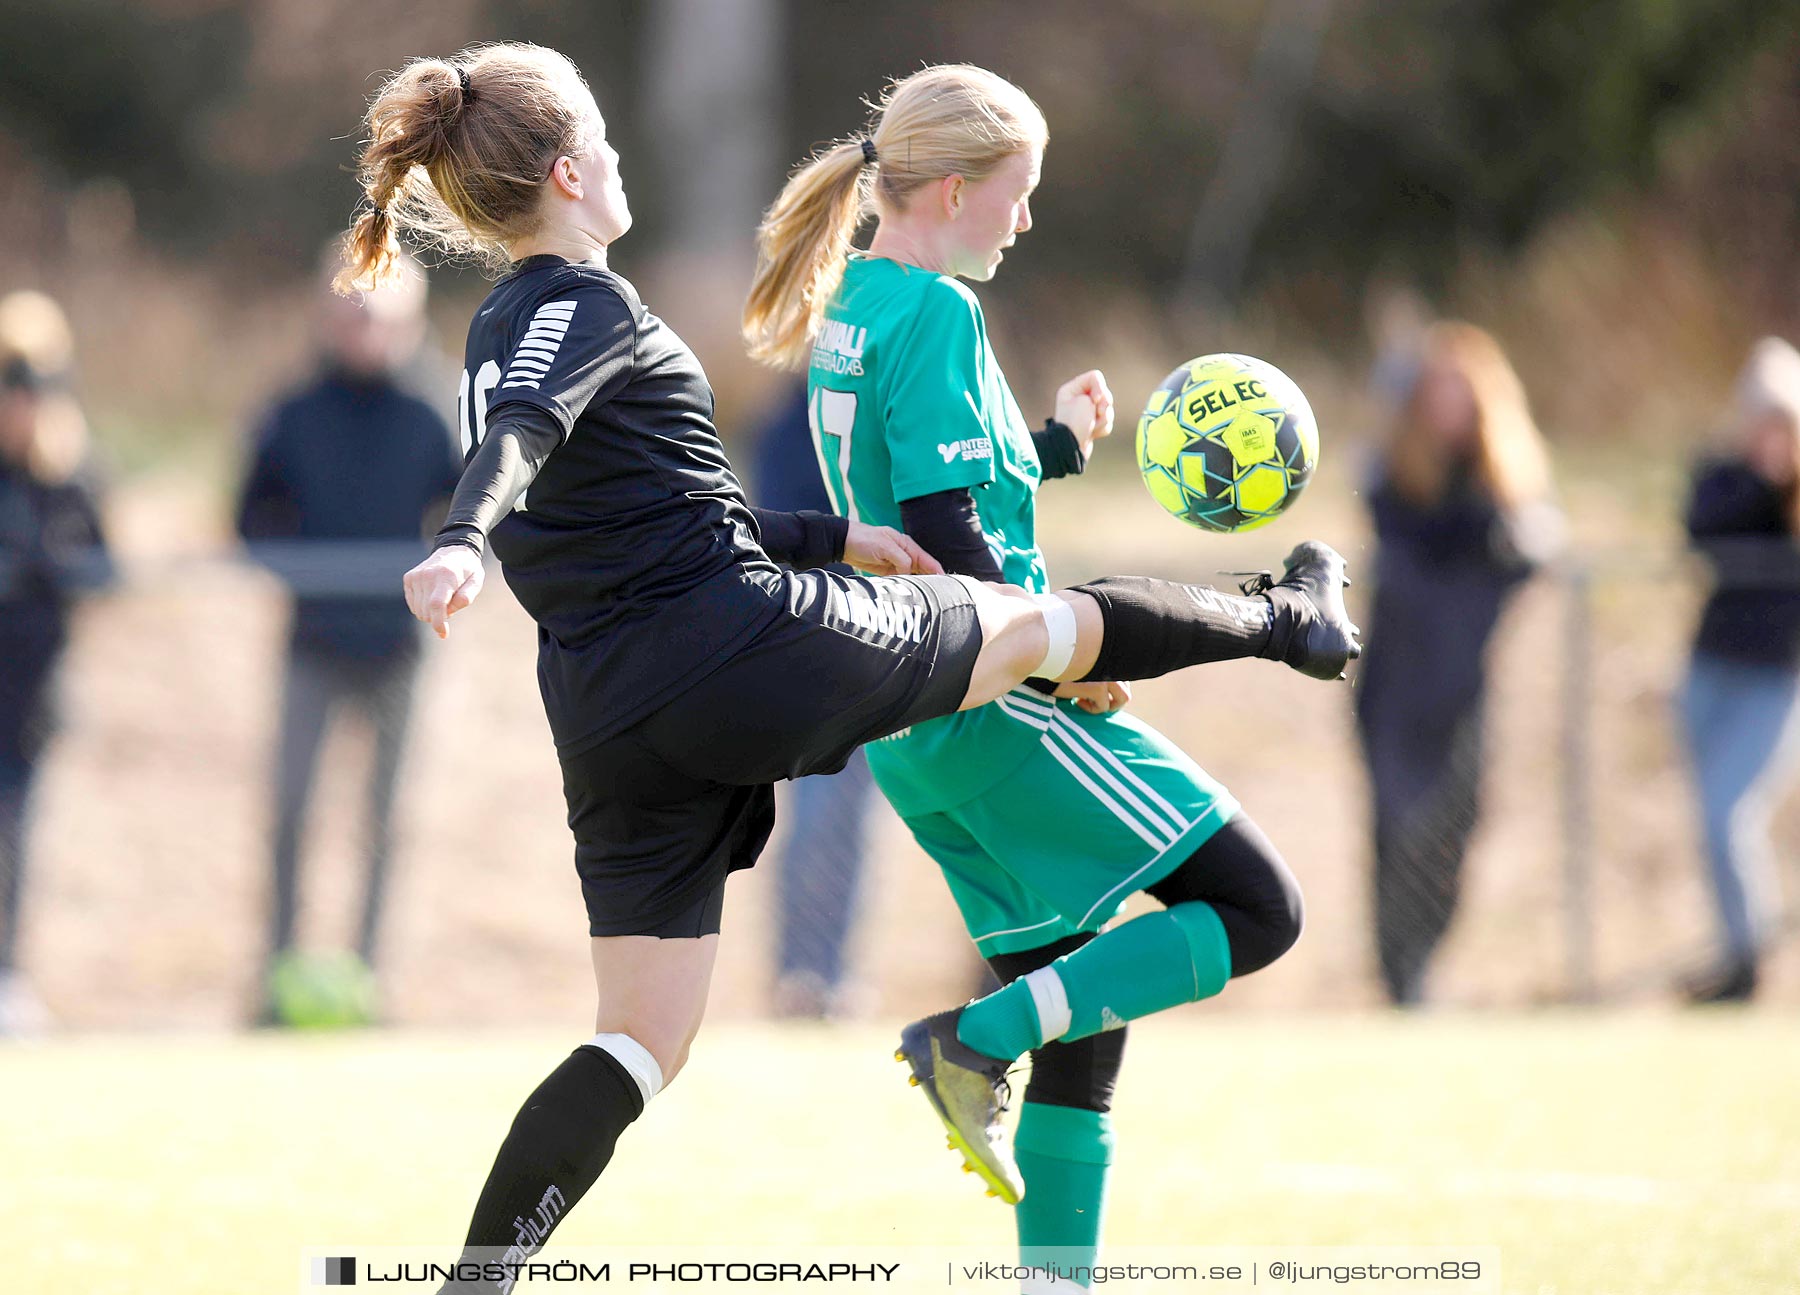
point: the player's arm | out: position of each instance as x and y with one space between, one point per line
1059 453
1084 405
802 540
946 525
498 473
574 352
808 539
517 445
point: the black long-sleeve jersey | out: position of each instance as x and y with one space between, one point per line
633 547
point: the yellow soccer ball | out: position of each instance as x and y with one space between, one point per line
1227 443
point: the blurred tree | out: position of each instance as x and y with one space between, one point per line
1429 131
102 88
1426 128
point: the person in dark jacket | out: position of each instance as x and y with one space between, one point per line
1744 677
51 548
1460 505
348 475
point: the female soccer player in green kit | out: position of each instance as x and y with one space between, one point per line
1046 808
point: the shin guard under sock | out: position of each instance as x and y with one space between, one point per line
1156 626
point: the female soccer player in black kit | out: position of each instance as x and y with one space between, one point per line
683 671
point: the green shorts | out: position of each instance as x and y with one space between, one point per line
1104 806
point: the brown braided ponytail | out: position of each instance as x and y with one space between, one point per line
457 153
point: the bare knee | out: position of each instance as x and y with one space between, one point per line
654 991
999 607
1013 642
1015 639
667 1042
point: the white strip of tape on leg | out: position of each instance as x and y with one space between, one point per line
1059 620
636 1059
1051 999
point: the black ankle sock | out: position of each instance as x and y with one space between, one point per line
1155 626
559 1142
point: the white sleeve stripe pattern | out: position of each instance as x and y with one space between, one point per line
537 349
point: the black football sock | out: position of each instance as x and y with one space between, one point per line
1156 626
559 1142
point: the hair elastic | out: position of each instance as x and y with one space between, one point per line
868 148
468 91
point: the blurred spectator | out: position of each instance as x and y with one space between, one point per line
820 865
1460 504
1739 702
352 455
1395 317
50 548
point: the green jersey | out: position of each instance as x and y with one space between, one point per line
906 399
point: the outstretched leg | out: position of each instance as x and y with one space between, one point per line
1135 627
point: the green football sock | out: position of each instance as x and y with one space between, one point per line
1003 1025
1151 963
1064 1154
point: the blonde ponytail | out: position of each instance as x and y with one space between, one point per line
802 246
940 121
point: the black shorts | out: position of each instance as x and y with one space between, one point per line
663 811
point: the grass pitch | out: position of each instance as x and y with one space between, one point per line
1634 1154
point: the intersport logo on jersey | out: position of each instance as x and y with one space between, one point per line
975 447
